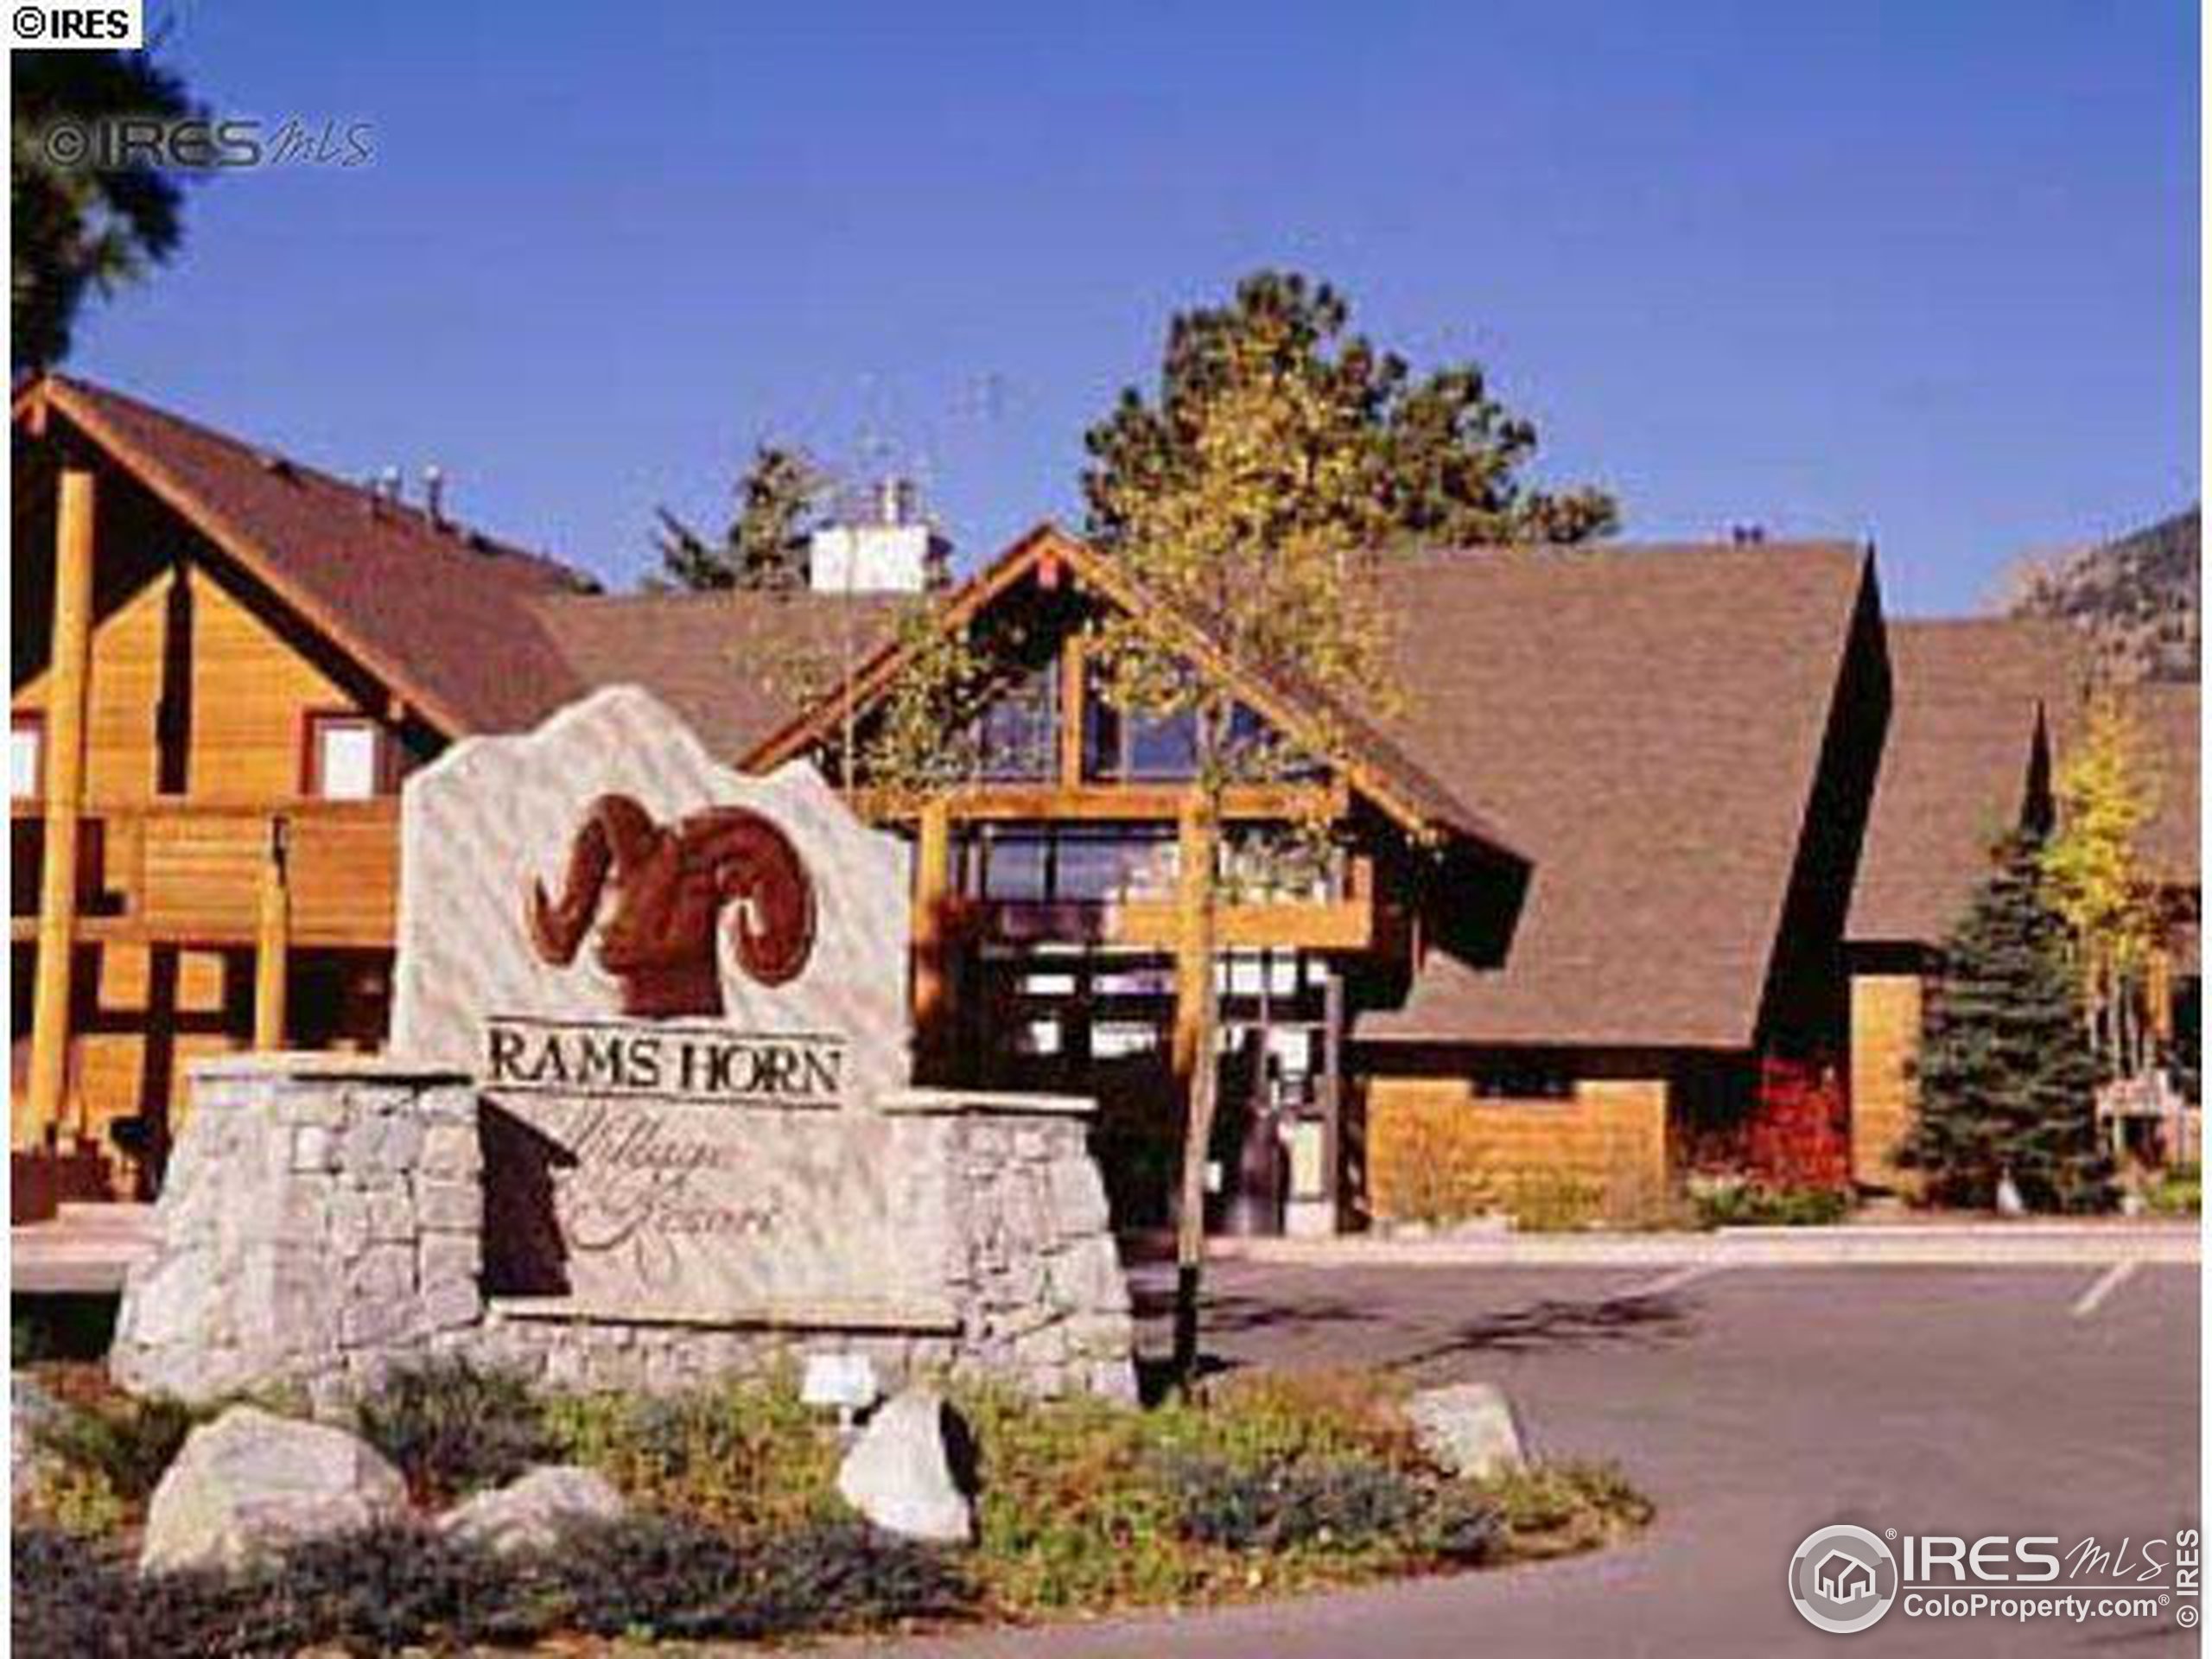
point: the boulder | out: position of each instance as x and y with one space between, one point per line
1468 1429
532 1513
251 1483
901 1472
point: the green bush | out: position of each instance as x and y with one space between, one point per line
1736 1203
747 1457
124 1443
396 1588
2177 1192
1352 1505
452 1429
1562 1509
658 1577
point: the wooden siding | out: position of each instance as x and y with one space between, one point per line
1885 1015
1437 1152
173 896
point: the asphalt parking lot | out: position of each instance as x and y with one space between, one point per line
1754 1405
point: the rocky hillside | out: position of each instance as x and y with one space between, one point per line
2136 597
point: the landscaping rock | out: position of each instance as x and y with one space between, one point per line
251 1483
532 1513
1467 1429
900 1473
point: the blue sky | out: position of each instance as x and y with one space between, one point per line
1926 273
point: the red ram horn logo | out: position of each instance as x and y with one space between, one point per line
670 886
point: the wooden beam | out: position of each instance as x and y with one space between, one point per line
933 894
272 943
1071 710
1116 803
40 1113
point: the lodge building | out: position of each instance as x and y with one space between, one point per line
1659 825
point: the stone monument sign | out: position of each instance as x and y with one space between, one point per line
645 1117
680 989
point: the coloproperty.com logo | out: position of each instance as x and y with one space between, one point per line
1844 1579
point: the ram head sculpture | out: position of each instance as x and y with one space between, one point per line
670 888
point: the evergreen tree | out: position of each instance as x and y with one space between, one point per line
1372 457
763 549
82 229
2007 1078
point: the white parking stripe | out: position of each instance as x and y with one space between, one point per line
2107 1281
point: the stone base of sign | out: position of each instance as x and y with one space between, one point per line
323 1220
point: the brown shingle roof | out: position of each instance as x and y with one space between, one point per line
1645 724
441 615
2169 714
1955 776
734 664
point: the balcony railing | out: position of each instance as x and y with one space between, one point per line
193 871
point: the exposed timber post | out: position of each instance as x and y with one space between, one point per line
272 941
64 786
933 891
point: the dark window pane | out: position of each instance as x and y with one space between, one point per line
1166 748
1096 866
1017 735
1015 867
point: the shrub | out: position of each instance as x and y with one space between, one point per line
1562 1509
1349 1504
395 1588
660 1576
2177 1192
747 1457
1734 1202
1552 1200
452 1429
123 1444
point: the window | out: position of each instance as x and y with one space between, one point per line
1018 740
345 759
26 757
1084 864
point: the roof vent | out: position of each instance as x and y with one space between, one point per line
434 494
276 465
1746 535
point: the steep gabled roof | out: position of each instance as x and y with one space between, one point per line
736 666
1649 722
441 615
1969 697
1371 758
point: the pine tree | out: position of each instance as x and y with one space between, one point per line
764 548
2007 1078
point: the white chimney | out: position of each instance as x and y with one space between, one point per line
895 553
